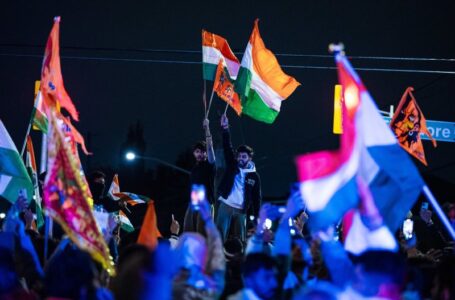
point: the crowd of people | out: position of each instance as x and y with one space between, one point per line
233 246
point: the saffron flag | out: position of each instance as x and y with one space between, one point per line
132 199
149 233
114 188
214 49
225 89
33 172
407 124
261 83
52 89
13 174
66 197
368 149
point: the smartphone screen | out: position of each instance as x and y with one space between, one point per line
408 228
197 195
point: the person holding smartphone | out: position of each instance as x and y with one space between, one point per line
240 187
203 173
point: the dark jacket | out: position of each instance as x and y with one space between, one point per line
252 194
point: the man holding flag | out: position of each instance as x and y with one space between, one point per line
240 188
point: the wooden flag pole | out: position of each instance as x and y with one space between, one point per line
439 211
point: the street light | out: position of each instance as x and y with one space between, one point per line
130 156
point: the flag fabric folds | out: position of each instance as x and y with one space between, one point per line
13 174
66 197
30 163
214 49
261 83
39 118
132 199
125 223
225 88
114 188
407 124
52 88
149 233
367 149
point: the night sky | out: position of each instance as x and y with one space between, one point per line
116 77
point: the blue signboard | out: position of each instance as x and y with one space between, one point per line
440 130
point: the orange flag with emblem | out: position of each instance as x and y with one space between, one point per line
407 124
225 88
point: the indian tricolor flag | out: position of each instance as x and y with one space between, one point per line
114 188
132 199
214 49
125 223
13 175
30 163
261 83
39 118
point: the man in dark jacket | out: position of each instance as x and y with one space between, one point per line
239 192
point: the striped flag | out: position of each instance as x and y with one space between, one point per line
261 83
214 49
132 199
33 172
368 149
39 118
125 223
13 174
114 188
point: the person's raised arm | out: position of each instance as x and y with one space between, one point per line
227 144
216 264
209 141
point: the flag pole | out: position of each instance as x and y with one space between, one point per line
25 140
204 98
210 103
226 108
439 211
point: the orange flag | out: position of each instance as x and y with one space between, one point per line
149 231
52 88
225 88
407 124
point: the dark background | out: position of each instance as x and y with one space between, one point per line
132 65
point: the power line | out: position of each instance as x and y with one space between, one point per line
164 61
186 51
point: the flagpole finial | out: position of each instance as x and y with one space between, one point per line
336 48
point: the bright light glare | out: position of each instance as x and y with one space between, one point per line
351 97
2 215
130 156
268 224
